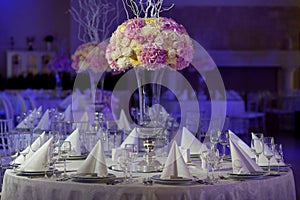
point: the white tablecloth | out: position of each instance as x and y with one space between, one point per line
18 187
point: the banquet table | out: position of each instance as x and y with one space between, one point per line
269 187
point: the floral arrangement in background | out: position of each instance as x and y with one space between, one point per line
60 63
151 43
91 56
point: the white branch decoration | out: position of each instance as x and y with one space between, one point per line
151 8
95 18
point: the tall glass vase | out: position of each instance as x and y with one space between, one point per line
149 90
94 78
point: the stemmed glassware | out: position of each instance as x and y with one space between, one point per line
268 149
65 150
24 147
257 147
133 152
224 141
213 159
214 137
123 162
278 154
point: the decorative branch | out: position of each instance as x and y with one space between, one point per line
94 18
150 8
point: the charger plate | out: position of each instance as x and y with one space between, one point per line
175 181
92 178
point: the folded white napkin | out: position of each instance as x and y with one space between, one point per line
175 167
23 124
31 149
263 161
189 141
74 139
39 160
132 138
123 122
95 162
44 123
242 144
68 114
40 109
241 162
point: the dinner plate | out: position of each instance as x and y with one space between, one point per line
194 155
117 168
76 157
178 181
33 173
246 176
92 178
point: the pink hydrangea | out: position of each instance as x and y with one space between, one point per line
150 43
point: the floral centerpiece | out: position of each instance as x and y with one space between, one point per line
150 43
60 63
90 56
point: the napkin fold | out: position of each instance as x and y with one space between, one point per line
175 167
262 160
95 162
44 123
242 144
38 162
123 122
32 148
68 114
241 161
189 141
132 138
74 139
22 124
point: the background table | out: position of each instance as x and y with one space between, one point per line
18 187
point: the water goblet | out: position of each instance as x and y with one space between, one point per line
214 137
123 162
213 159
133 152
268 149
24 147
278 154
257 147
224 141
65 149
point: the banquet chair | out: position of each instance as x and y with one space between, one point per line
8 108
6 145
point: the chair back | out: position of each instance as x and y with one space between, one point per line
6 137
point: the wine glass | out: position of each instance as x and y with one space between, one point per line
213 159
257 147
224 141
123 162
65 150
268 149
203 156
278 154
133 152
24 147
214 137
